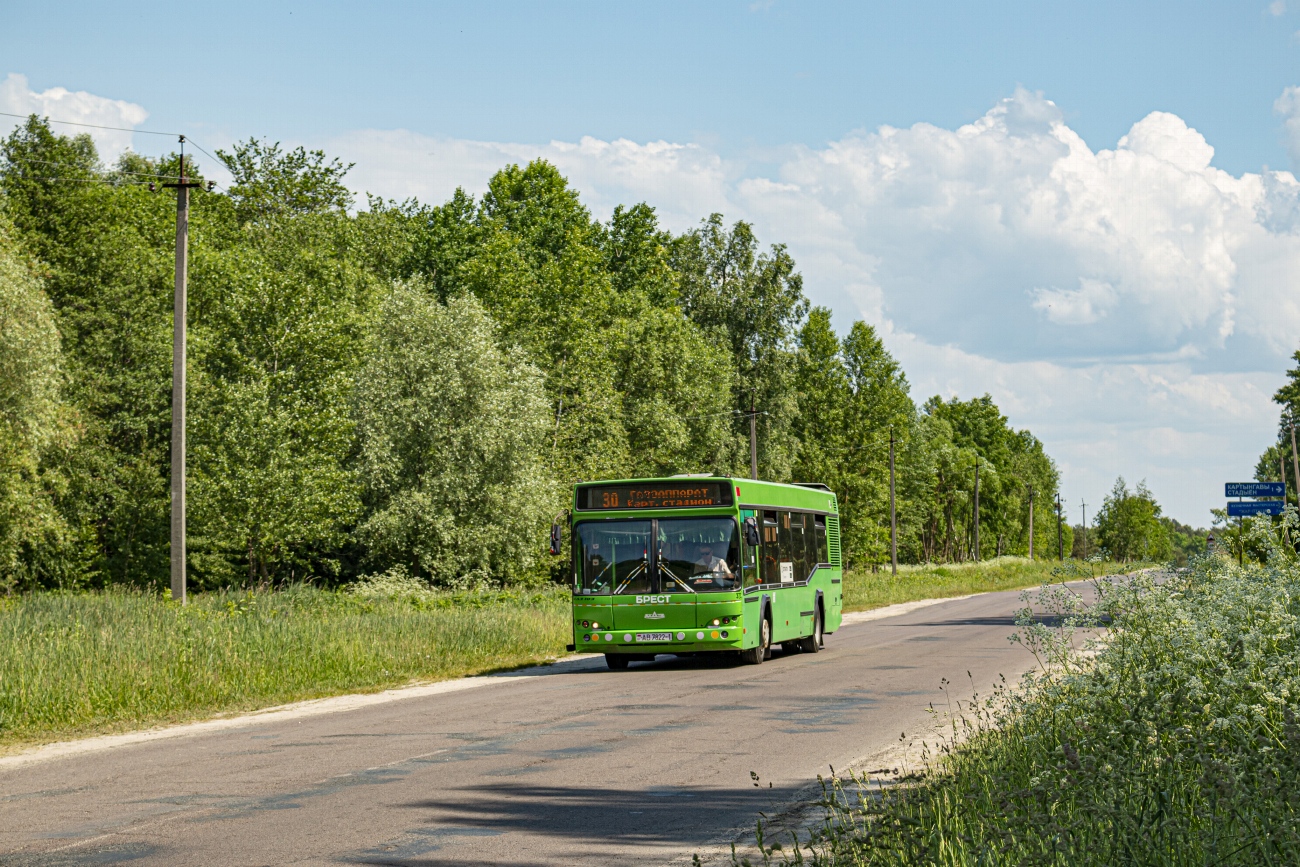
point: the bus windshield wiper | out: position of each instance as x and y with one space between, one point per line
680 583
640 567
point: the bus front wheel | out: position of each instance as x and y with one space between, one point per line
616 661
756 655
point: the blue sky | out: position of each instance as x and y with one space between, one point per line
1064 205
737 75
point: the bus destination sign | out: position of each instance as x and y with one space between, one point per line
656 495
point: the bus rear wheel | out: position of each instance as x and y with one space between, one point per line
756 655
813 643
616 661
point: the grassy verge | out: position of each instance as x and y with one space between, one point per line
97 662
1178 742
89 663
866 590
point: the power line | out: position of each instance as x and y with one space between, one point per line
109 171
110 181
93 125
49 119
113 182
205 153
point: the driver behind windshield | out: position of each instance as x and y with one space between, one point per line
716 570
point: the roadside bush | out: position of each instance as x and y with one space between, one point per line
1176 740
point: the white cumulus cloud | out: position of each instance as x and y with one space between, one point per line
58 103
1133 305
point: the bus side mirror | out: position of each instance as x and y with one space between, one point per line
555 539
751 532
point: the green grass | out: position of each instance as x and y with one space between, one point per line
88 663
1176 742
865 590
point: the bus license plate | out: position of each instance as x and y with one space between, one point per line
654 636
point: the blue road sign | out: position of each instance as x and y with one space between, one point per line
1254 489
1243 510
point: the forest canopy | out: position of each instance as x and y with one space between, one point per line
415 387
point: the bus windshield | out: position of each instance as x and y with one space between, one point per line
698 555
692 555
615 558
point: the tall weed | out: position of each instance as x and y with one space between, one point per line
1174 739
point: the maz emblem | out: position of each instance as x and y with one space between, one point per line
654 615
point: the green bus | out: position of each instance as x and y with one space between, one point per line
702 564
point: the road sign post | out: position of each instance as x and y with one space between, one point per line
1242 509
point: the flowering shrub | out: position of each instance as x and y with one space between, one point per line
1175 740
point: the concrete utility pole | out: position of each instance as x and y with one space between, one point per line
1085 527
1060 530
1281 461
1031 522
1295 465
893 518
753 438
977 510
182 187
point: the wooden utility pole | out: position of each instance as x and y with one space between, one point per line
977 510
182 187
893 518
1031 522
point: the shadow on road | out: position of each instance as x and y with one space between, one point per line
584 819
1051 620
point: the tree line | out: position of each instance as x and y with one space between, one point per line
411 386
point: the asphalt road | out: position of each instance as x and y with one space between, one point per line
567 764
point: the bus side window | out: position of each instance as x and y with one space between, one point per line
823 552
798 547
771 568
810 543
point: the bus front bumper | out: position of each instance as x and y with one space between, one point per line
682 641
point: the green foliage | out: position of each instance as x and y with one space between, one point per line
1175 741
451 432
106 252
630 351
269 183
756 299
1129 525
279 331
1186 543
36 544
